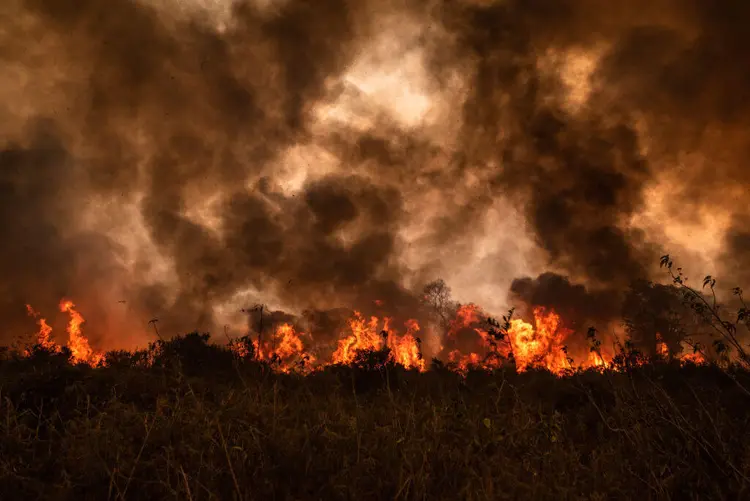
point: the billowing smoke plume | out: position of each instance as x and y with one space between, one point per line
174 160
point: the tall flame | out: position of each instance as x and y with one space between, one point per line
364 336
406 350
44 336
540 345
78 344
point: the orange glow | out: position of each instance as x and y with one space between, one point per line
696 358
661 347
463 362
689 354
489 355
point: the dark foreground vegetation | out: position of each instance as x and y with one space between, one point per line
194 422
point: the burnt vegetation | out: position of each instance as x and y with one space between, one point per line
187 418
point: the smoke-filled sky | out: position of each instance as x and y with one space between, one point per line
193 157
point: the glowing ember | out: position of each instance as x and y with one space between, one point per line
661 347
695 358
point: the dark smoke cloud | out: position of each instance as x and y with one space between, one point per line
143 106
579 307
583 176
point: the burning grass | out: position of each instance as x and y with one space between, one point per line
522 345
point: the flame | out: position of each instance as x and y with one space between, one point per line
406 350
661 347
540 345
462 362
491 354
44 336
595 360
692 354
694 357
364 336
466 316
285 349
78 344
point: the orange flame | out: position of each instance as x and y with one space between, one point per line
696 358
285 348
78 344
406 349
469 316
364 336
463 362
44 336
539 345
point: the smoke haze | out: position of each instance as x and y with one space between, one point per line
183 160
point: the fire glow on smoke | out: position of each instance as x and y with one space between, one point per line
184 158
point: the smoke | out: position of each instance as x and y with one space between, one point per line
317 154
579 307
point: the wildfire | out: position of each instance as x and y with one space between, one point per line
540 343
462 361
406 350
365 336
78 344
693 357
491 353
285 349
44 336
81 351
596 360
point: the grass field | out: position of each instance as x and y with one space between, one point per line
196 422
